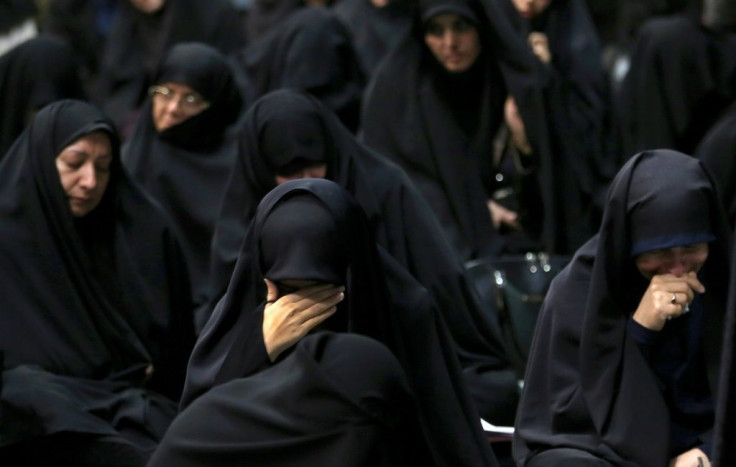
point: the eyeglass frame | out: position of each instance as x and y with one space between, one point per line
190 101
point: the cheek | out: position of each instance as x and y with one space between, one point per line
66 177
434 45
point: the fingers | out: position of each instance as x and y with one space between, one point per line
320 308
272 292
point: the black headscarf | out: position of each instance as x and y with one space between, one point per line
381 301
292 130
588 385
375 30
138 42
679 81
717 151
439 127
97 306
311 51
185 167
266 15
33 74
336 396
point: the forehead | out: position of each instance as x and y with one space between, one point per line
97 142
444 19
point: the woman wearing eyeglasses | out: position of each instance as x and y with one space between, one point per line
181 151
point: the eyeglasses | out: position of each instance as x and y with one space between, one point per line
190 101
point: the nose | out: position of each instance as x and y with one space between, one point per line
88 179
679 264
449 38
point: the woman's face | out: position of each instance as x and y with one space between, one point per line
84 170
453 40
174 103
311 171
677 261
528 9
148 6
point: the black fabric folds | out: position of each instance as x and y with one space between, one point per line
96 318
312 51
680 80
440 127
588 385
382 301
400 220
185 167
138 42
33 74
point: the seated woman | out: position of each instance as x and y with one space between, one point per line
96 324
287 135
181 151
436 104
624 362
310 263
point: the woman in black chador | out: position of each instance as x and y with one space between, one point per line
182 152
96 324
289 135
435 106
310 263
624 365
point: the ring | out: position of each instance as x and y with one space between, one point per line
673 300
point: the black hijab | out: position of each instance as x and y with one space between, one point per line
679 81
33 74
98 302
717 151
312 51
588 385
287 130
266 15
375 30
138 42
381 301
185 167
439 127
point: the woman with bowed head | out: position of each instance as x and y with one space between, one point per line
624 364
184 147
96 317
310 264
288 135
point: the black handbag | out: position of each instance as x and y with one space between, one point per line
512 289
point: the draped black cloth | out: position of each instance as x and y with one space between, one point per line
717 151
439 127
725 429
588 385
33 74
185 168
375 30
138 42
338 398
382 301
287 129
266 15
96 317
578 101
14 13
680 80
312 51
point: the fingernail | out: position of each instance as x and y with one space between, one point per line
342 295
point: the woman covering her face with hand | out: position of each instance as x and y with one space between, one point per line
309 263
96 325
624 364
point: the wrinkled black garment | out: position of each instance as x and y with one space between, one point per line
725 428
375 30
577 97
96 317
717 151
33 74
338 399
138 43
291 129
439 127
312 51
266 15
382 301
185 168
14 13
680 80
588 385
